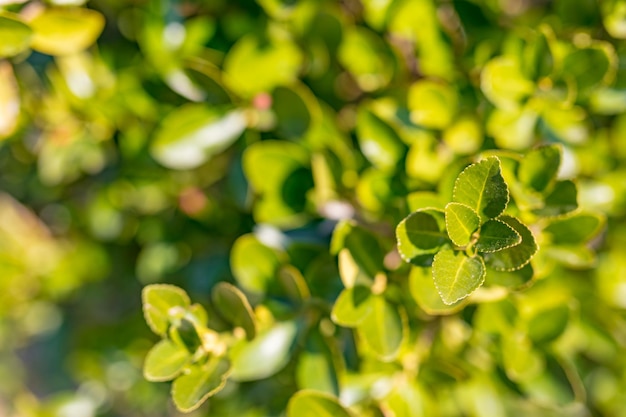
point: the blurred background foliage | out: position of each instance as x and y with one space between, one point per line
194 142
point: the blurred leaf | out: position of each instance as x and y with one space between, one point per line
257 65
273 346
590 67
65 30
547 325
293 283
16 35
366 57
562 199
383 329
504 84
481 187
362 255
192 134
292 114
353 306
315 368
517 256
421 233
574 229
425 294
495 236
199 382
457 275
160 302
165 361
254 265
513 129
539 167
9 99
464 136
461 223
234 307
309 403
431 104
513 280
378 141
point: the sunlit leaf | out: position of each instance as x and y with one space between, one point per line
254 265
9 100
165 361
425 293
482 188
456 275
15 34
353 306
517 256
378 141
273 346
160 302
504 84
366 57
309 403
233 306
192 134
461 223
65 30
199 382
383 329
432 104
495 236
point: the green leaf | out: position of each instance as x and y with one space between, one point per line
420 233
379 143
496 235
65 30
538 169
293 283
425 294
192 134
309 403
315 366
546 325
159 304
590 67
292 113
254 265
517 256
361 257
383 329
234 307
574 229
482 188
461 223
432 104
165 361
513 280
198 383
264 356
15 34
352 306
562 199
504 84
257 65
456 275
513 128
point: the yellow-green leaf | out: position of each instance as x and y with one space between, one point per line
457 275
159 305
461 222
165 361
15 35
309 403
199 382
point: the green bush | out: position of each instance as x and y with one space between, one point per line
392 208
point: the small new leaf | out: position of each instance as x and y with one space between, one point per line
165 361
420 233
496 235
461 223
198 383
482 188
457 275
515 257
158 303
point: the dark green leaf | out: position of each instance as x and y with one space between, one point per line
517 256
234 307
481 187
496 235
538 168
315 367
421 233
456 275
562 199
574 229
